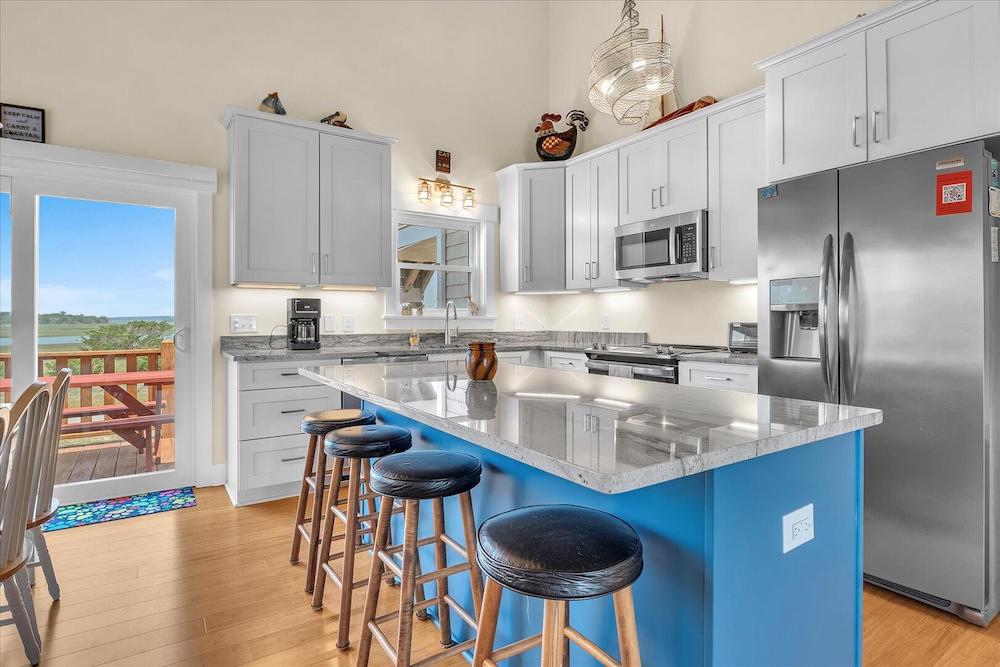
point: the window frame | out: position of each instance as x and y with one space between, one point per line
481 269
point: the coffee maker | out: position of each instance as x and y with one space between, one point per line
303 324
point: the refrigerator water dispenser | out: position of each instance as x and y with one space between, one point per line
794 310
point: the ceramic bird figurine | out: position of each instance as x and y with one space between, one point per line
553 145
338 119
271 104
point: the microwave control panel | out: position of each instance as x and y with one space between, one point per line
686 244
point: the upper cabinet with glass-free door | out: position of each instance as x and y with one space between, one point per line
309 203
912 76
933 77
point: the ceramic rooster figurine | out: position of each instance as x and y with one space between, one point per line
553 145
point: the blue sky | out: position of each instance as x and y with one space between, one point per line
98 258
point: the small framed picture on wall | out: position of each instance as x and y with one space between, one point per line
22 123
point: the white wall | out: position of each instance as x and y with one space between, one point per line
715 44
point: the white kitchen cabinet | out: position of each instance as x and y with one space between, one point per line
816 110
734 377
309 203
933 77
522 357
274 190
591 218
565 361
665 173
736 169
590 437
355 212
265 445
533 228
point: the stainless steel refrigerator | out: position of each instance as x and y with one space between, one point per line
879 286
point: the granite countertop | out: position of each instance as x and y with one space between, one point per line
257 349
641 433
742 358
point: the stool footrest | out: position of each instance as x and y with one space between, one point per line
442 573
517 648
590 647
383 640
445 654
447 539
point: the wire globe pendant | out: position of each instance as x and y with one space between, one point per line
627 71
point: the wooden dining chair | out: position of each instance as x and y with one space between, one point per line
43 504
18 450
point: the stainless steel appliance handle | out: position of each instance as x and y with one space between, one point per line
824 313
349 361
875 138
655 371
844 322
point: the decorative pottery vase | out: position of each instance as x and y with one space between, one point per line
481 362
481 400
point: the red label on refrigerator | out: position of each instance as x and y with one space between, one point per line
954 193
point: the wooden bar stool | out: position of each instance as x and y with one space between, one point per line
317 425
559 553
355 445
412 477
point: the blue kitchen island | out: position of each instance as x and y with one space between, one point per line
706 477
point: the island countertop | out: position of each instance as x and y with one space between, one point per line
612 435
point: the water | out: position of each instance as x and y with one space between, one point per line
69 340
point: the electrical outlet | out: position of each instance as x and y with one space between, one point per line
329 323
519 323
348 323
605 322
797 528
242 324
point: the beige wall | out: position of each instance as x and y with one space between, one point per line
151 79
715 44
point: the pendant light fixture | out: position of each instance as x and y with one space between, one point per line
627 71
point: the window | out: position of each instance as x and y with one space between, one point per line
438 259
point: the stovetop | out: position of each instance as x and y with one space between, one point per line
652 351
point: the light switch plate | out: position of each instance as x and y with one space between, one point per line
797 528
329 323
242 324
519 322
348 323
605 322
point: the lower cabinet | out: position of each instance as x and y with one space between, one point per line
734 377
265 446
590 437
523 357
565 361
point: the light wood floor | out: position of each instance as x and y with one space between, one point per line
211 585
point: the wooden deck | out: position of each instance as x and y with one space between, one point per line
116 459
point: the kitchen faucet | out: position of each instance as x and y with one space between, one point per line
448 309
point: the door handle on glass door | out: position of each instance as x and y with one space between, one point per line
844 318
826 264
176 336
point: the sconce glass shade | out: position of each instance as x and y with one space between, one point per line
468 201
447 196
423 191
627 71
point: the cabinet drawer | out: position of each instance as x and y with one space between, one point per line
514 357
277 375
719 376
566 361
271 412
272 460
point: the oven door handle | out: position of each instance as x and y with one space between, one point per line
668 372
597 365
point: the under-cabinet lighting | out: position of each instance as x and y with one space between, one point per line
546 396
548 293
613 403
743 426
608 290
266 286
348 288
743 281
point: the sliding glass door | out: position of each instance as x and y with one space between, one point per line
99 285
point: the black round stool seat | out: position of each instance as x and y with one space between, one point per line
560 552
324 421
425 474
367 442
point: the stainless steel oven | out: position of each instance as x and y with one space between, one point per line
666 372
669 248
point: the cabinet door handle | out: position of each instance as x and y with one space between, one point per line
596 270
524 274
294 458
854 131
586 271
312 263
285 375
875 138
292 412
662 188
326 262
718 379
652 198
711 257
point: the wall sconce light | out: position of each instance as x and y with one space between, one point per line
446 191
423 191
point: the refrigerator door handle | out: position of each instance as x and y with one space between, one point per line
825 358
844 322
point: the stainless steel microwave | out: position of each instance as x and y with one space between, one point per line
670 248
